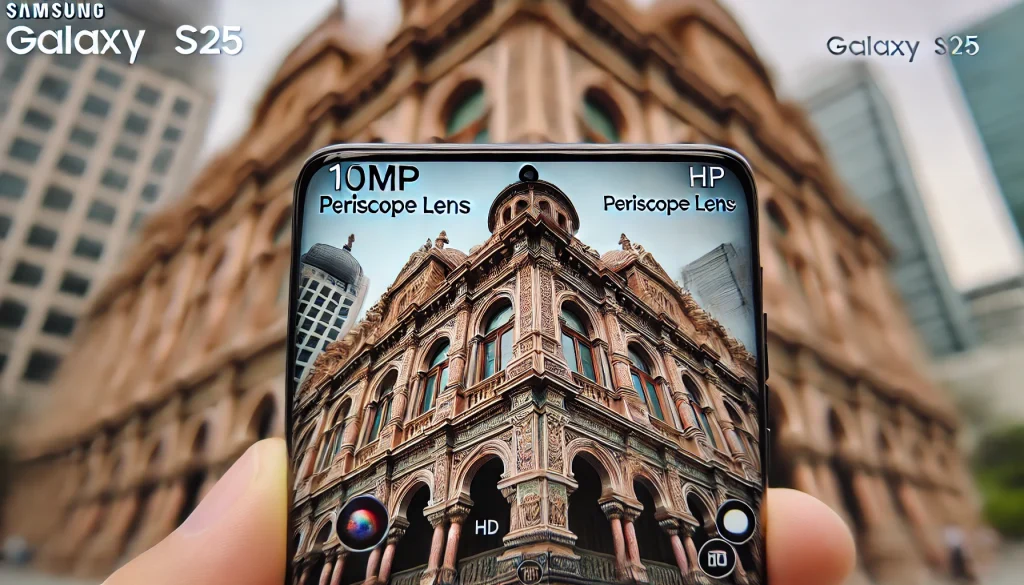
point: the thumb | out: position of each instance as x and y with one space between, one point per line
237 534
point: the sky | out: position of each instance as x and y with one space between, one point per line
975 235
384 243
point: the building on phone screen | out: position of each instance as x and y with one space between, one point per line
180 364
332 287
530 400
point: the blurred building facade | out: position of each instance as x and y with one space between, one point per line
332 287
862 137
994 92
200 304
88 147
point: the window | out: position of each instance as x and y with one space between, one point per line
467 117
96 106
83 137
437 377
41 237
182 107
25 150
13 71
12 314
12 186
150 192
27 274
125 152
108 77
38 120
382 410
54 88
5 226
68 60
136 124
137 218
41 366
89 248
333 439
172 134
497 344
698 412
575 346
147 95
57 198
599 119
74 284
58 323
644 384
72 165
162 160
114 180
101 212
737 422
776 218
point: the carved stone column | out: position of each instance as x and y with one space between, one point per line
402 387
309 454
671 527
688 544
339 565
438 521
372 566
388 557
456 516
457 357
304 575
619 358
325 574
636 566
614 512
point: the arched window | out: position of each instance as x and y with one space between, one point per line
466 119
332 438
506 215
575 346
437 377
521 206
644 384
698 411
382 410
737 422
497 345
545 208
600 121
776 218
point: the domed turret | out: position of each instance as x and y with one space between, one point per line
531 194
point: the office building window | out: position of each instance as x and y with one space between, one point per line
96 106
114 180
57 198
5 226
13 71
27 274
137 218
12 186
108 77
68 61
41 237
101 212
162 160
58 323
72 165
147 95
125 152
12 314
150 192
136 124
86 138
38 120
182 107
172 134
74 284
87 247
53 88
25 150
41 366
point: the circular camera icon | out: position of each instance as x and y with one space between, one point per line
528 173
736 522
362 523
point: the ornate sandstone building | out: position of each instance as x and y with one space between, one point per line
582 402
181 363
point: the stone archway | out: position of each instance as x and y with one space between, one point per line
488 504
652 541
195 479
705 518
413 549
587 521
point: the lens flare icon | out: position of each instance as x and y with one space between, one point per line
362 523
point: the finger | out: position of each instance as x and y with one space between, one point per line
237 534
807 543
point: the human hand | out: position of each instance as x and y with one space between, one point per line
238 534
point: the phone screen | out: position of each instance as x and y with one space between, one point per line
525 365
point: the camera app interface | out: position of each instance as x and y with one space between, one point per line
523 372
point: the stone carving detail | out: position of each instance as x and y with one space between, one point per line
521 399
529 498
675 485
440 491
525 345
557 503
520 369
525 299
546 302
496 419
555 455
524 443
381 492
560 287
443 410
555 368
549 346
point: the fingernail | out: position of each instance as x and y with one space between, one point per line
224 494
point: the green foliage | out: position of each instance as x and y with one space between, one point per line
999 465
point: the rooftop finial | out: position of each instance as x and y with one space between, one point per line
625 243
441 240
351 240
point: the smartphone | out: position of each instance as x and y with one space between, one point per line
525 364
